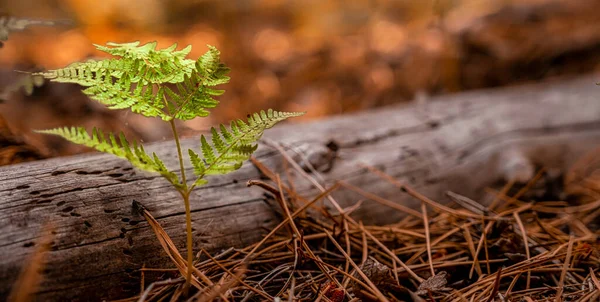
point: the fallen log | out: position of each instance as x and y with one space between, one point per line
463 143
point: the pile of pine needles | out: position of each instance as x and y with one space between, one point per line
523 246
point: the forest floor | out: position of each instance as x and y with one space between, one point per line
527 246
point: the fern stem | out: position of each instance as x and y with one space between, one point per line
189 242
185 194
179 155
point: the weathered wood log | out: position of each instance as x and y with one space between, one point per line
461 142
524 40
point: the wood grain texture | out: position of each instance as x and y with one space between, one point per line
461 142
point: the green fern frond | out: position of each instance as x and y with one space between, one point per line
123 94
194 96
153 66
210 68
230 148
191 99
92 72
138 80
121 148
110 82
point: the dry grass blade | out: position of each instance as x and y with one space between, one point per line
30 276
595 279
561 283
380 200
525 243
427 238
220 289
471 246
390 253
530 183
467 203
237 277
496 285
372 286
412 192
287 219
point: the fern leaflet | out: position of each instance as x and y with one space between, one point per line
121 148
230 148
153 66
139 79
194 93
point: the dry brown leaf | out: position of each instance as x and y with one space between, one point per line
435 283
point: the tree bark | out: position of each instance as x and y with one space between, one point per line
463 142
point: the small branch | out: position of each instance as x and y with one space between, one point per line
427 235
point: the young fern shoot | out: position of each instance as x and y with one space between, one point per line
164 83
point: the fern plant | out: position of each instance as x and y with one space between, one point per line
164 83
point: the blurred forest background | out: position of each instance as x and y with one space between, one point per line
324 57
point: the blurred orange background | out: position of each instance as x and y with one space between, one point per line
324 57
